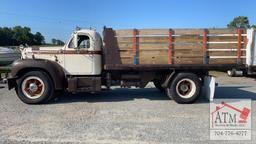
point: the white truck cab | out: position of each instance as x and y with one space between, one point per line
83 53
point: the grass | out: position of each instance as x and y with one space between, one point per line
4 69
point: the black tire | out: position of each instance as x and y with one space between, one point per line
24 92
184 88
158 85
55 96
231 73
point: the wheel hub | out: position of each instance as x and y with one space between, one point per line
33 87
184 88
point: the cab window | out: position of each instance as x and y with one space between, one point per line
83 41
71 43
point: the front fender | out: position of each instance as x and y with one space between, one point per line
53 69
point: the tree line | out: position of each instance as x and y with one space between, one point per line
57 42
18 35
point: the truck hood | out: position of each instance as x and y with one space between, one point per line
30 51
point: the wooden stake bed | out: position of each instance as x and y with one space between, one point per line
174 48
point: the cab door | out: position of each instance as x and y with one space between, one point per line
78 56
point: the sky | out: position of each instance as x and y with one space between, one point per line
58 18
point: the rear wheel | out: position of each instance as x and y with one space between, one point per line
185 88
35 87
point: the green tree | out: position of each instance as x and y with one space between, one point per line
239 22
19 35
22 35
38 39
57 42
253 26
54 41
6 36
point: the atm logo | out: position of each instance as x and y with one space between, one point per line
230 119
231 116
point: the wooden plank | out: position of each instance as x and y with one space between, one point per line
123 53
184 52
160 46
153 40
153 31
153 46
225 53
126 60
188 31
160 32
188 46
129 32
125 45
179 46
188 60
188 39
166 31
222 31
165 46
222 38
185 38
155 52
124 32
124 39
197 50
224 46
225 61
188 53
153 59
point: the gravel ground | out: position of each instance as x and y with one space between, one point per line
117 116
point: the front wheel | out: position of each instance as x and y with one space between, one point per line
35 87
185 88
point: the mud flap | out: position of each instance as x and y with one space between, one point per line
11 83
209 87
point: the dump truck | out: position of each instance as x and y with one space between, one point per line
175 60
